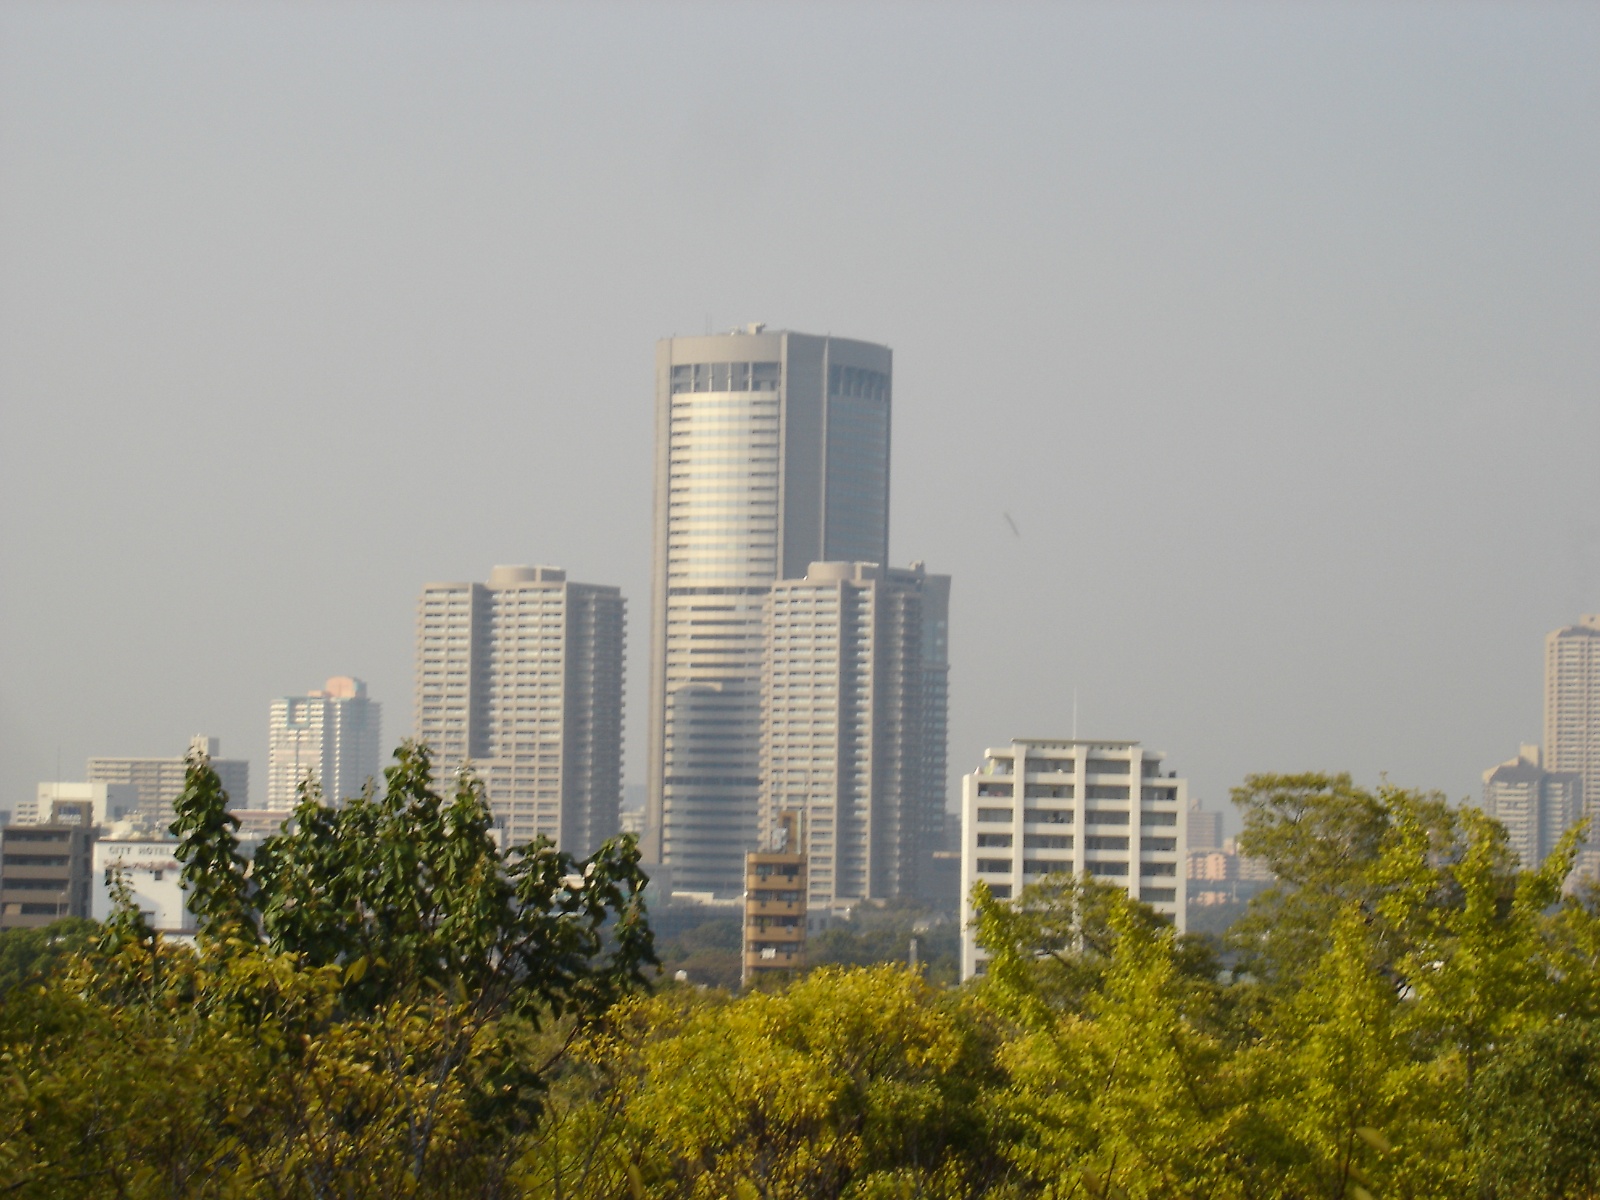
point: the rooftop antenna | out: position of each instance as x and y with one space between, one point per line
1074 714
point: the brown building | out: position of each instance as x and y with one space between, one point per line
46 870
775 904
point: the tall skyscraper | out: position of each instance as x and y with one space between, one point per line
853 725
160 780
1572 709
772 452
1040 807
1535 806
331 736
522 677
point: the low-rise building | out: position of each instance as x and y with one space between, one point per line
46 866
151 872
1044 806
107 801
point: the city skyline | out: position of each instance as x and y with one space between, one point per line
1231 349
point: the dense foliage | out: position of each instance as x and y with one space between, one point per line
383 1005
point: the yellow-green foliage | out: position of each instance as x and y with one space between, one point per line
1410 1017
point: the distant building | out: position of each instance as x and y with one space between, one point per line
522 677
159 781
1535 806
1043 806
1572 712
1222 875
1205 828
107 802
46 866
775 902
331 736
853 725
772 452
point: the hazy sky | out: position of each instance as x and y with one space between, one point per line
1275 328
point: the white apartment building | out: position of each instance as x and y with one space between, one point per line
331 736
522 677
1102 808
1535 806
159 781
772 452
108 802
853 726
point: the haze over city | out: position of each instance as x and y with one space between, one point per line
1246 377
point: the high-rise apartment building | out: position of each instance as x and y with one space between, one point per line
522 677
160 780
772 452
1535 806
853 725
1572 709
1038 807
331 735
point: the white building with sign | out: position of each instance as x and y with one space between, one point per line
152 872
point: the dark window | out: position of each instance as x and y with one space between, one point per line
996 840
1106 791
1108 766
1047 841
1105 843
992 816
1158 895
1048 816
1160 845
1001 866
1097 817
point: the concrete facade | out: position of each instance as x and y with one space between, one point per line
332 736
522 677
853 725
1042 806
772 452
159 781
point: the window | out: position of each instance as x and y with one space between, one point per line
1107 766
1048 816
1105 843
995 789
1158 895
994 816
1106 791
1158 818
1159 845
1046 841
996 840
995 866
1098 817
1044 866
1158 868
